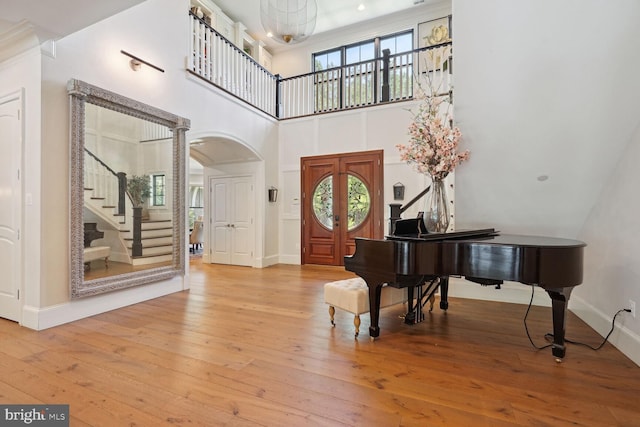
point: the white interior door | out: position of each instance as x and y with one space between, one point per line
220 222
232 224
10 205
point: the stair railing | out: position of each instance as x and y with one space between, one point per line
105 182
396 209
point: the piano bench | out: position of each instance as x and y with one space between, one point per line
352 295
97 252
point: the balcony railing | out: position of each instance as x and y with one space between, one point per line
390 78
217 60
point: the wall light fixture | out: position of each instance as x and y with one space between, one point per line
273 194
136 62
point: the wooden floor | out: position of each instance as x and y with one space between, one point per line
254 347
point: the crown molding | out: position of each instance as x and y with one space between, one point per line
17 39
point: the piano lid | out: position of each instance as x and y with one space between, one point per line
462 234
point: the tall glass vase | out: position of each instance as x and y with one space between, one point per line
436 214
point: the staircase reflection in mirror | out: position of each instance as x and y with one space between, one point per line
113 139
117 147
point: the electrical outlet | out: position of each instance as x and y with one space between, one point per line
632 306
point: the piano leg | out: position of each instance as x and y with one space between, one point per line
410 317
559 302
444 292
375 289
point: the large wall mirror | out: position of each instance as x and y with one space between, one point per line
121 148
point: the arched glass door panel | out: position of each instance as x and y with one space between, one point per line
358 202
323 202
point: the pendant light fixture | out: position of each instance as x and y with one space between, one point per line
288 21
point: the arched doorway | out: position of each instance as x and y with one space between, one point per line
230 173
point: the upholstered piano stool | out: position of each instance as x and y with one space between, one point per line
96 252
352 295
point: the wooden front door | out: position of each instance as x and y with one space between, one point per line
342 199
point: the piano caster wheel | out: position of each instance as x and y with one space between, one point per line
444 305
558 360
372 339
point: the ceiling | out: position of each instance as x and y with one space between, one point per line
54 19
332 14
215 150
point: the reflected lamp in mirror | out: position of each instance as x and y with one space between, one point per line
273 194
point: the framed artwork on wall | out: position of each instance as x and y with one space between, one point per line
433 33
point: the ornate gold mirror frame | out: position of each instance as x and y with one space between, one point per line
79 94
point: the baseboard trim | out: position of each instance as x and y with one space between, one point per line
290 259
621 338
48 317
269 260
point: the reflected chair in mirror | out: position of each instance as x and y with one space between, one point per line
196 236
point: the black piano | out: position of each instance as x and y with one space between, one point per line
91 233
481 256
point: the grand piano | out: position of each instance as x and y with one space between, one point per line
482 256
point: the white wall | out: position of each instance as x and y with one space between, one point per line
374 128
22 73
157 31
548 88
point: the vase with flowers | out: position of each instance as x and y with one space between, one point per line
433 150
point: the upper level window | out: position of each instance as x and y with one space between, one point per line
326 60
350 76
360 52
363 51
397 43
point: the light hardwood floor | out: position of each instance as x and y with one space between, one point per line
248 347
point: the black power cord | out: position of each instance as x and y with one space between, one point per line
549 336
